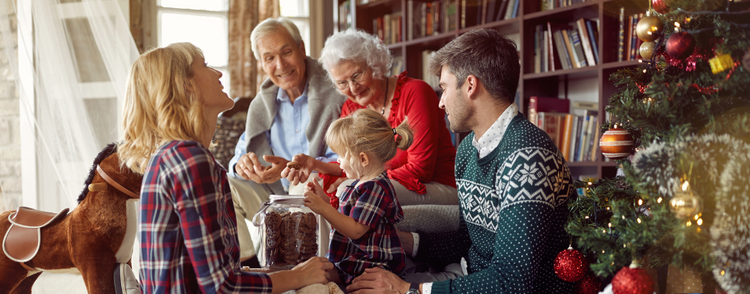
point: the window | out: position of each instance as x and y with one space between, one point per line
200 22
298 11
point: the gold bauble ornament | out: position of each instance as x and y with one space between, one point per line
649 28
647 49
616 143
684 204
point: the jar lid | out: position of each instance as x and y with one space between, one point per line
287 199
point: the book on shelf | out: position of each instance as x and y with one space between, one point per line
575 42
500 15
545 52
621 36
538 48
586 42
552 124
428 19
591 27
562 52
437 9
569 48
490 12
590 140
582 139
579 107
574 129
548 5
567 133
577 136
539 104
451 10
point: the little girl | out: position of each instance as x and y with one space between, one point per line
364 232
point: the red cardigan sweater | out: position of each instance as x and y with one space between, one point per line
431 157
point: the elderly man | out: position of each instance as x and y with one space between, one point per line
513 183
290 115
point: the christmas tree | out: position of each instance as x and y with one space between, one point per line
683 197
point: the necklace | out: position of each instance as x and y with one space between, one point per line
385 97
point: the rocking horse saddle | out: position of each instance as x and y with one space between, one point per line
21 242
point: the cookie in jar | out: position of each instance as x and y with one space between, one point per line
289 232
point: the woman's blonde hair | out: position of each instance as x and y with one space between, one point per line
162 104
367 131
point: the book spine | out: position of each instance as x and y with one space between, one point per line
566 134
569 49
583 139
594 39
533 111
621 36
573 139
463 13
590 138
578 48
586 41
562 49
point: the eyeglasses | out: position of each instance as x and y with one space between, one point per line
356 78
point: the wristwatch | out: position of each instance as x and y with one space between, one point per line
413 289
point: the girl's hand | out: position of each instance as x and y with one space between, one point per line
315 198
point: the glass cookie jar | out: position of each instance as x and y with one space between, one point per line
288 232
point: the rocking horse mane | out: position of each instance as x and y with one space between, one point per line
109 150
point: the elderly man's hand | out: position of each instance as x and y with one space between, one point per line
299 175
377 280
249 168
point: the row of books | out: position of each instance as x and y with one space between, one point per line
576 136
388 28
553 4
477 12
430 18
628 42
566 46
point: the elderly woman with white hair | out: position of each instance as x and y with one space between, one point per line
358 64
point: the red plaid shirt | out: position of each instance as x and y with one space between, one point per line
188 227
374 204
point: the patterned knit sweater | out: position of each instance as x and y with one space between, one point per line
513 208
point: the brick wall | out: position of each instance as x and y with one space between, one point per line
10 137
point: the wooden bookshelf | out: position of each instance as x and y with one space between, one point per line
529 15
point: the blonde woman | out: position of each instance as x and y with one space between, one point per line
187 225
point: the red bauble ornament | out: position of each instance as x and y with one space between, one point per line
680 45
632 280
660 5
570 265
590 284
616 143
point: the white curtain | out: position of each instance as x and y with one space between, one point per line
79 54
70 67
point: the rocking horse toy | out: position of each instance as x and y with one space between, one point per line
94 239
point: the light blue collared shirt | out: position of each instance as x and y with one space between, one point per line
287 134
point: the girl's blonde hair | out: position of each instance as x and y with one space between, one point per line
367 131
162 104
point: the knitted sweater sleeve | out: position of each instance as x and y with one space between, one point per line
443 248
530 184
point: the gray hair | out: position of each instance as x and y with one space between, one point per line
486 54
356 46
271 25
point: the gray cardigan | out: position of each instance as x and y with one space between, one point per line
324 105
